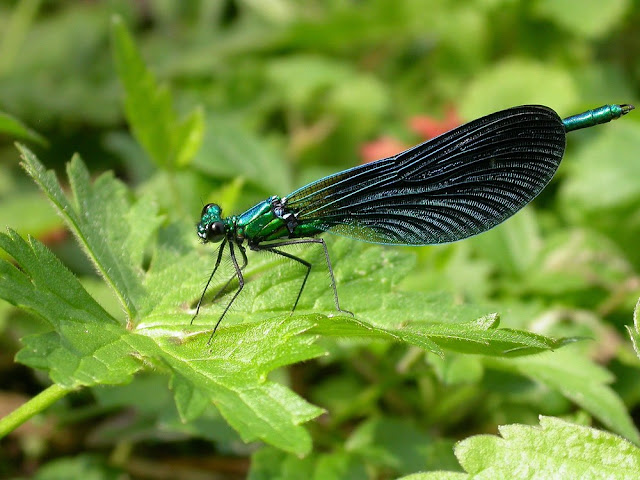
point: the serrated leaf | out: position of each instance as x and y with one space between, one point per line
86 346
111 236
482 336
555 448
232 374
580 380
89 351
14 127
170 142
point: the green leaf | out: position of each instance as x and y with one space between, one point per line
87 345
578 379
431 322
111 232
524 452
170 142
232 374
483 336
14 127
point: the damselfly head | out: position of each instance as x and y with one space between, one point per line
211 227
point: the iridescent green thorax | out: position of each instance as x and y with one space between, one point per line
270 220
267 221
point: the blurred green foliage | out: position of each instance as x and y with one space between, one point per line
277 94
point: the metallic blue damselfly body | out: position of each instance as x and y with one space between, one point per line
457 185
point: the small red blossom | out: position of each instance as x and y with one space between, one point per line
429 127
381 148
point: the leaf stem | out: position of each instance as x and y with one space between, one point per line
37 404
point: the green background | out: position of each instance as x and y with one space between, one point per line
281 93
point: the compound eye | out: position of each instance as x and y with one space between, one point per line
207 207
216 232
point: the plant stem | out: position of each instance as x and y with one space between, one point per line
34 406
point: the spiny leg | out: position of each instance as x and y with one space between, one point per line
240 284
326 256
299 260
242 267
220 250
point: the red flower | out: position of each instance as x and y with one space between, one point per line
428 127
381 148
425 126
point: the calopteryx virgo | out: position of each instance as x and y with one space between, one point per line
462 183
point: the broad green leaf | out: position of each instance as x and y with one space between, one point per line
591 19
431 322
578 379
88 347
555 448
170 142
97 349
232 375
14 127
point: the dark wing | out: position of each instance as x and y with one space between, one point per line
459 184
